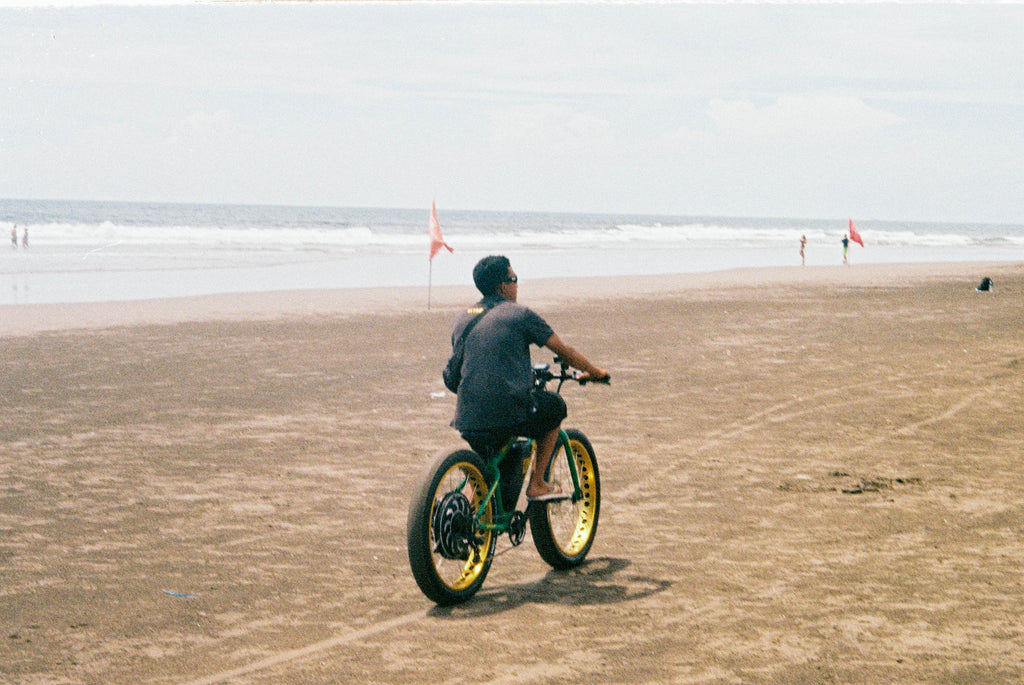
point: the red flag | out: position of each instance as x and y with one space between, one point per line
436 239
854 236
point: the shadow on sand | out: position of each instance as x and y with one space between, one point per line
598 581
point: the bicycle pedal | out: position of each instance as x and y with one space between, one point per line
517 528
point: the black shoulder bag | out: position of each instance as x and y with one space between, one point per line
452 373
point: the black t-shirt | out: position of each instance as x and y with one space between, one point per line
497 372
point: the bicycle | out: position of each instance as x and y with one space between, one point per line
466 501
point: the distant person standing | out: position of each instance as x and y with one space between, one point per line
803 244
14 237
846 247
24 237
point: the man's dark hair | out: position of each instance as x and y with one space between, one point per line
489 273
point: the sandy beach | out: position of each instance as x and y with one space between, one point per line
809 475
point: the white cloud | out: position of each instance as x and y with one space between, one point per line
556 129
781 109
200 128
799 116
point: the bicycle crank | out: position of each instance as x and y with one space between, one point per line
517 528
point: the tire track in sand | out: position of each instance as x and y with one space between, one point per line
323 645
797 407
777 412
774 412
735 429
308 650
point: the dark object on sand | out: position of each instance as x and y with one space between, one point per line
986 285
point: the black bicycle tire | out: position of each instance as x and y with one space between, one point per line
587 512
419 537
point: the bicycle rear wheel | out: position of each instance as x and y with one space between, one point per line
564 530
448 553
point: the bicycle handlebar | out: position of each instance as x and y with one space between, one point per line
542 374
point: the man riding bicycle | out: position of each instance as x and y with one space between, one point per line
496 398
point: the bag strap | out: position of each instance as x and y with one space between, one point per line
469 327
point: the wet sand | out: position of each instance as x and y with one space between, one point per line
809 475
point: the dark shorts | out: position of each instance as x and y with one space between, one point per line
547 413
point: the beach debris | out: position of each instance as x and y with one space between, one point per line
876 484
853 486
179 594
985 285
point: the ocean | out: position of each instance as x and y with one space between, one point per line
113 251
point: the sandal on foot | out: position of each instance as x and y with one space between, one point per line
554 494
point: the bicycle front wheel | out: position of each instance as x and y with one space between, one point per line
448 552
564 530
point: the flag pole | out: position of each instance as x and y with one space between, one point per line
430 281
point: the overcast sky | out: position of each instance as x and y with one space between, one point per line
911 112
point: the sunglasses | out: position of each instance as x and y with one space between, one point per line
512 279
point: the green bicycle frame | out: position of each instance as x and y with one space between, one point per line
503 514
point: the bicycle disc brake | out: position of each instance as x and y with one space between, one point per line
453 526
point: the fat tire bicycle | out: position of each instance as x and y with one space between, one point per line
465 501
